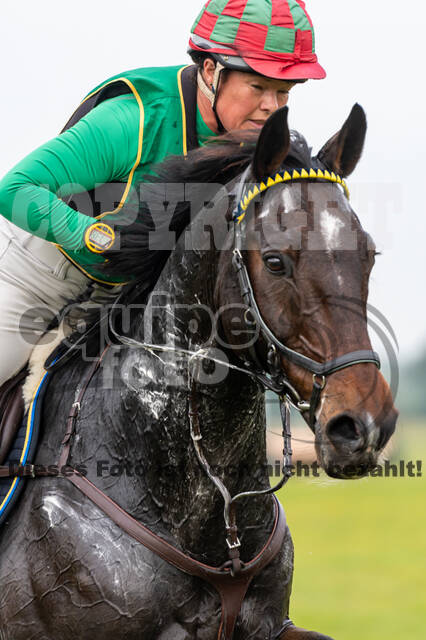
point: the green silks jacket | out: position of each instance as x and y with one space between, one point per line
93 168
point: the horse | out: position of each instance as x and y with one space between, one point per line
180 401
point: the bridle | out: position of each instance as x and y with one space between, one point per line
272 375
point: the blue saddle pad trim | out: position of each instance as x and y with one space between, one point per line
23 450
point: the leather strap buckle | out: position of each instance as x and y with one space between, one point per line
233 545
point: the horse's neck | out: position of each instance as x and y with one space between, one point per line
140 433
230 406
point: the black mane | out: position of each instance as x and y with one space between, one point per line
219 162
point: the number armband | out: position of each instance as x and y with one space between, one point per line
99 237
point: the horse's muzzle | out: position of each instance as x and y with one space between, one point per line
348 446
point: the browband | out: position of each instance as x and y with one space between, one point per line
283 176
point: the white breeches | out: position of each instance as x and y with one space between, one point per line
36 282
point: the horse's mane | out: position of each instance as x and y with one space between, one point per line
140 264
218 162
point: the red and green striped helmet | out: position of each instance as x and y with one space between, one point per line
272 37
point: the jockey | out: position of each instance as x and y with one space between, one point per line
61 204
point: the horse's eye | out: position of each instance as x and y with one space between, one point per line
280 265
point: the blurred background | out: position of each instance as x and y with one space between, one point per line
360 545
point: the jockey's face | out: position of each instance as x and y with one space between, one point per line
246 100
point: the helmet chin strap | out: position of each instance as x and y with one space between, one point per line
211 94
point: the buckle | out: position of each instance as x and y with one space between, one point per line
237 260
319 381
233 545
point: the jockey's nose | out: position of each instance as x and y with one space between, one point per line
270 101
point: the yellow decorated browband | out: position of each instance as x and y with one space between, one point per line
285 176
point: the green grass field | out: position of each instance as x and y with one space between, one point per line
360 551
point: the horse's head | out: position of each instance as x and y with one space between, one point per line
309 262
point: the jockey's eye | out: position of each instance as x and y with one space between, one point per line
278 264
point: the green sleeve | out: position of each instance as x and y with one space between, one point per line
101 147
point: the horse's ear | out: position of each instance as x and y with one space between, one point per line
272 146
342 152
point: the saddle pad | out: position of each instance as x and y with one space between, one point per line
23 450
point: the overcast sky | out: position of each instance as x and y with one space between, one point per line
52 53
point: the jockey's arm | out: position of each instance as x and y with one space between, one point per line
100 148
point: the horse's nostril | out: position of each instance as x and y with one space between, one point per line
344 433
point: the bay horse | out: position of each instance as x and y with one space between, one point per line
282 290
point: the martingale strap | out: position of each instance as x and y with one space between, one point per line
231 588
